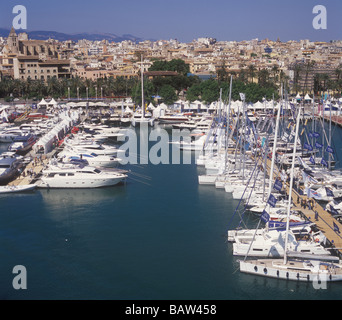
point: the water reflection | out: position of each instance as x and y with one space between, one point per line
78 201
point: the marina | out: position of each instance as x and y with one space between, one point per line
192 230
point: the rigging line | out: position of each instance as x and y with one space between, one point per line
255 179
242 194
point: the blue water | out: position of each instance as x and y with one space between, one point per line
160 236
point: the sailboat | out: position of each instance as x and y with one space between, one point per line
295 266
140 117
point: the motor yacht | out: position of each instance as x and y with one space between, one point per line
67 175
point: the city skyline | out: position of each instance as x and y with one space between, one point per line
181 20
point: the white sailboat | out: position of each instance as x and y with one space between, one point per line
307 268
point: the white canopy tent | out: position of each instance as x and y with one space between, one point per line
307 98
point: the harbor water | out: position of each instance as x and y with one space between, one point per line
159 236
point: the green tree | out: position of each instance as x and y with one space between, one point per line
168 94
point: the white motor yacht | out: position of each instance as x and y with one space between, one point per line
59 175
92 158
140 118
8 135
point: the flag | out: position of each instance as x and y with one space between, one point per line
329 149
265 216
312 194
318 145
336 228
324 162
333 211
272 200
312 160
329 192
285 137
278 185
315 134
307 146
242 96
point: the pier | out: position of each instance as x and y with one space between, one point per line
33 169
324 221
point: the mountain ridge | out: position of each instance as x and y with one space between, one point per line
60 36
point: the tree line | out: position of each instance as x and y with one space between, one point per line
255 83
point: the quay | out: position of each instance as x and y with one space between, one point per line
36 165
325 222
337 120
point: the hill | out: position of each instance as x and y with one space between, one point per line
45 35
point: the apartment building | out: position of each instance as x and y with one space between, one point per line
31 67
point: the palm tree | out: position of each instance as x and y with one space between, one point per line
308 69
263 77
275 72
251 71
297 68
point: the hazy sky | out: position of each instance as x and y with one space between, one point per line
184 20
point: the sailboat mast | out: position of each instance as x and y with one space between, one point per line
329 135
275 144
291 186
142 89
228 120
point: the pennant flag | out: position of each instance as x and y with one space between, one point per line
315 134
310 135
272 200
278 185
336 228
318 145
265 216
324 162
307 146
329 192
312 160
329 149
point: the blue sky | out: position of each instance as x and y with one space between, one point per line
184 20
